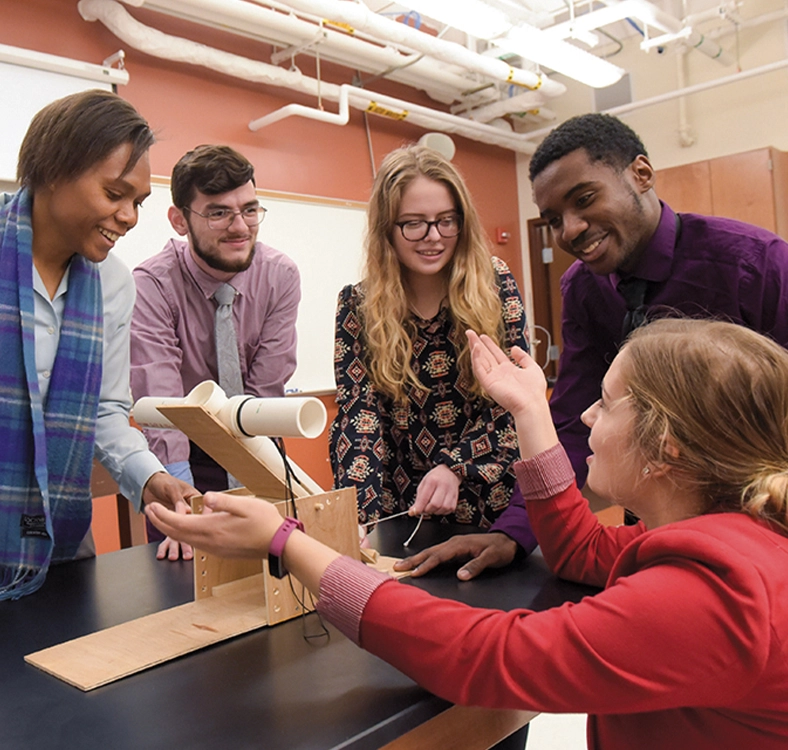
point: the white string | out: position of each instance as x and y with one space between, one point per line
407 542
381 520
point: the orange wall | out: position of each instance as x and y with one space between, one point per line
187 106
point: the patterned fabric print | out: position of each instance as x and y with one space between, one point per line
385 450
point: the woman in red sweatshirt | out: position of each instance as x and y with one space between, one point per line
687 646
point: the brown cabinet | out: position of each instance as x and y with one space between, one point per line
751 187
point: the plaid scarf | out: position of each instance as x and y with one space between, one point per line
47 453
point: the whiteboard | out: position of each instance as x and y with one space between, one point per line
323 236
24 92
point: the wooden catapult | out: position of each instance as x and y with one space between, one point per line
231 596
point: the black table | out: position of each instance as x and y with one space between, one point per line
268 689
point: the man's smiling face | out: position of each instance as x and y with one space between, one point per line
596 212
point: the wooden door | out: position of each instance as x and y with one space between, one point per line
548 264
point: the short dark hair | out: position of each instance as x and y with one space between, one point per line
70 135
605 138
211 170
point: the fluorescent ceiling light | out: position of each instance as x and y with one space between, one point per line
474 17
562 57
483 21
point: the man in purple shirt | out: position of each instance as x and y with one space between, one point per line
594 184
215 207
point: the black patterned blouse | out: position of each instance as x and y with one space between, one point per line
385 450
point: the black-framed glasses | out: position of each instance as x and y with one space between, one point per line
222 218
417 229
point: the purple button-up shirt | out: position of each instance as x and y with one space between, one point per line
715 267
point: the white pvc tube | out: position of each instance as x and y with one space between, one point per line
283 417
244 416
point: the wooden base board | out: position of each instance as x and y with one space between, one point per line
108 655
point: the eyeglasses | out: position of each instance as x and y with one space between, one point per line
222 218
414 231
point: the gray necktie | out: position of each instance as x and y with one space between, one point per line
227 342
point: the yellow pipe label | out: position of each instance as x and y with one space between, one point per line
523 85
339 25
376 109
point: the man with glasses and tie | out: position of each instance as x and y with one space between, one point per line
218 305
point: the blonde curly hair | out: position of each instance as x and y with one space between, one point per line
473 300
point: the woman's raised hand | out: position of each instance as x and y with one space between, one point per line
513 386
519 387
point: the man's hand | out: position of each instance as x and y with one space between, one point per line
437 493
174 493
170 549
167 490
491 550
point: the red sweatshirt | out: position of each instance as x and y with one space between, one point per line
687 646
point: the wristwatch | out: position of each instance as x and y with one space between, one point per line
277 546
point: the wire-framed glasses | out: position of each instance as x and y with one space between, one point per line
222 218
416 230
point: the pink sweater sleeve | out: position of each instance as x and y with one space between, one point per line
345 589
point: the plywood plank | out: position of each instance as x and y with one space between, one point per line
230 452
108 655
332 518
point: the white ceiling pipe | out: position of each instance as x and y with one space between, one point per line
289 110
519 103
360 16
430 119
153 42
441 82
668 96
168 47
443 121
645 12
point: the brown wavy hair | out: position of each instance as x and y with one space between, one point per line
711 400
473 300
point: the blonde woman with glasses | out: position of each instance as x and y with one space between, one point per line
415 431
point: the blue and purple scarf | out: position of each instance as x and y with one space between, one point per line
47 449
